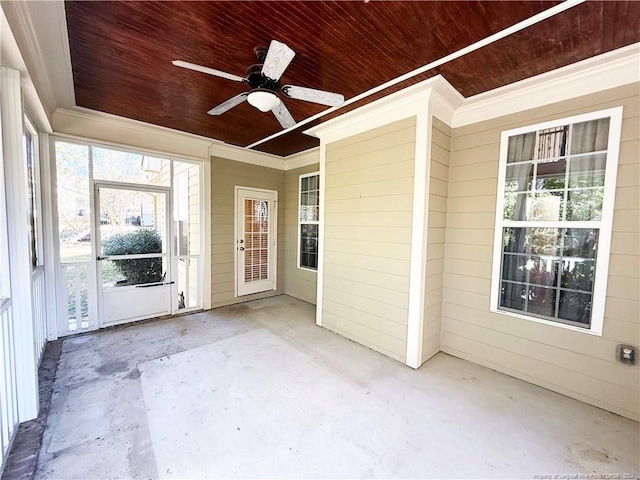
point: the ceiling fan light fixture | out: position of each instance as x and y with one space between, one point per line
263 100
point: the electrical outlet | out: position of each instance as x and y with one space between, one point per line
627 354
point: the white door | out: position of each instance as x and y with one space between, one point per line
256 240
134 277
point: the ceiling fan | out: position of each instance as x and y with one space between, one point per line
264 80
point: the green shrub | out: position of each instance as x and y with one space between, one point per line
141 270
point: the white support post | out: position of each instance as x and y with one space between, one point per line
415 322
18 233
50 250
320 271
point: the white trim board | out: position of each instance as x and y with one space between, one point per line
595 74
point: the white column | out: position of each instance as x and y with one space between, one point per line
320 271
18 232
415 321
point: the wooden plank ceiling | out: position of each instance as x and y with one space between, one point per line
121 53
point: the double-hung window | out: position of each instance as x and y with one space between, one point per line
556 190
308 220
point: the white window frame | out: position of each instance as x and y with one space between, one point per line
37 193
604 225
204 289
310 222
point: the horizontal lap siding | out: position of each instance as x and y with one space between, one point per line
298 282
436 233
225 175
580 365
367 236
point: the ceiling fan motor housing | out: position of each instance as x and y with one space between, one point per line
257 80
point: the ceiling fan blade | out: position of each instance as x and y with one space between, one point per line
278 58
210 71
282 114
229 104
312 95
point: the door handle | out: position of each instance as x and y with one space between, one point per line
241 249
100 258
148 285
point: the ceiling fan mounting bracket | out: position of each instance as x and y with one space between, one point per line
261 53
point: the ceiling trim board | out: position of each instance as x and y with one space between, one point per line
550 12
603 72
59 36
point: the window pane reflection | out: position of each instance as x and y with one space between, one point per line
549 272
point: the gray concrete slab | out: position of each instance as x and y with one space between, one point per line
258 391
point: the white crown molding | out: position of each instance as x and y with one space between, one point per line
396 106
244 155
25 35
603 72
90 124
42 36
302 159
12 57
444 100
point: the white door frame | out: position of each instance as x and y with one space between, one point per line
167 242
240 288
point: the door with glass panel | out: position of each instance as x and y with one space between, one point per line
134 275
256 240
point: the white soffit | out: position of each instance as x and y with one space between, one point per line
609 70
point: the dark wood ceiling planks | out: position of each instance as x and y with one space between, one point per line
121 53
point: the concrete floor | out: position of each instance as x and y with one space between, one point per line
258 391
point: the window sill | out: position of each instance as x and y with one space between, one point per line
308 269
594 330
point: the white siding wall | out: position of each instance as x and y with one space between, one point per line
436 233
580 365
299 283
367 236
225 174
